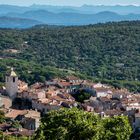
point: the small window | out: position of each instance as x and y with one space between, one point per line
31 127
14 79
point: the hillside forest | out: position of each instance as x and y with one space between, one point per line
109 53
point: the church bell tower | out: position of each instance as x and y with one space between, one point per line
12 84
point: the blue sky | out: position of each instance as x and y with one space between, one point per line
71 2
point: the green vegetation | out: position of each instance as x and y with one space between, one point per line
8 137
29 71
74 124
16 124
104 52
82 95
2 117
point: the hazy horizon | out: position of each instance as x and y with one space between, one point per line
69 5
76 3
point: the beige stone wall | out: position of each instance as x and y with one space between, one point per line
11 86
5 102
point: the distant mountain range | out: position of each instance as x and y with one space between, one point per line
24 17
9 22
73 18
85 9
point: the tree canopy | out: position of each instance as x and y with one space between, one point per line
82 95
74 124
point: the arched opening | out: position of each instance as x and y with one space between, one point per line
14 79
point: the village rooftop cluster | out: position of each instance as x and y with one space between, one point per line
27 104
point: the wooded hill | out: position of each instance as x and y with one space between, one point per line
108 51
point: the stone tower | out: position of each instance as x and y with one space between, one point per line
11 84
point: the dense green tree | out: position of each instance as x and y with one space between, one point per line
82 95
117 128
74 124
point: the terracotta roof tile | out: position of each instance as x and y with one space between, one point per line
14 113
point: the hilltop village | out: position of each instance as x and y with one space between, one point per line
27 104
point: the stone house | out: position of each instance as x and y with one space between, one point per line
31 120
102 92
73 79
31 123
45 105
137 120
88 107
5 102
